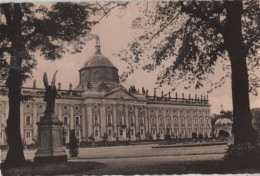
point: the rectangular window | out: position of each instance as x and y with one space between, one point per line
28 134
142 132
153 132
109 132
77 134
28 120
121 132
65 120
96 133
77 120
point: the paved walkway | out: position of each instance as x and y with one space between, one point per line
135 152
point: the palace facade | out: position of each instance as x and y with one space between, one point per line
100 106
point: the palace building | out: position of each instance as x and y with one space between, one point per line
100 106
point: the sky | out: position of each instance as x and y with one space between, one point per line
115 33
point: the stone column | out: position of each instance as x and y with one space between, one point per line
115 119
146 124
89 120
34 120
71 117
157 120
137 129
126 117
103 119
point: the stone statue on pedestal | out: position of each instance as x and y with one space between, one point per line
51 93
50 128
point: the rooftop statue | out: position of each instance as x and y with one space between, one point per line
51 93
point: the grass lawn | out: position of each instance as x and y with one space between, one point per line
53 168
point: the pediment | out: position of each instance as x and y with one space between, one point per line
120 93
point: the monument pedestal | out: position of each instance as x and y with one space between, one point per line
50 139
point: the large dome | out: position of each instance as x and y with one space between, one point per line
97 72
98 60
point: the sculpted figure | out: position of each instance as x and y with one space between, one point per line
50 94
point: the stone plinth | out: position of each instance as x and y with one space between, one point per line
50 138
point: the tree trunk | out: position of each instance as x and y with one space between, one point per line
242 126
15 155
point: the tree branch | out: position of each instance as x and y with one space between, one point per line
162 29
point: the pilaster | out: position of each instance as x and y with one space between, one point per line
34 120
83 122
71 117
103 119
89 120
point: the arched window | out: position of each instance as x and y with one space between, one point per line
153 120
121 119
96 119
77 120
201 121
132 119
182 121
168 120
175 121
109 119
161 131
78 134
195 121
28 120
141 120
142 131
28 134
188 121
161 120
65 120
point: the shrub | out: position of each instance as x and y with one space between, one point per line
242 156
200 136
167 137
194 135
223 133
73 144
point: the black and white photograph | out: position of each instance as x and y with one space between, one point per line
129 87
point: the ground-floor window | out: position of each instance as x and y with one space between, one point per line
78 134
28 134
153 132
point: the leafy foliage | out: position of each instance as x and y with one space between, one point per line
186 39
48 29
242 156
